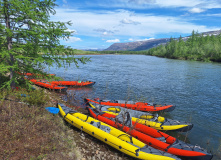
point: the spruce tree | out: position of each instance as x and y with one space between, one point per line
29 40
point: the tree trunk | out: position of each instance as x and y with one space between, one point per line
9 42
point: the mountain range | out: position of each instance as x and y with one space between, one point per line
147 44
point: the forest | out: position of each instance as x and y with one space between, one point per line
198 47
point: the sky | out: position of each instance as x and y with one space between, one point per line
97 24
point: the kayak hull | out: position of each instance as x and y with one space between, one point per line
73 83
140 106
45 84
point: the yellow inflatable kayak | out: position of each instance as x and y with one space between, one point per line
151 120
112 136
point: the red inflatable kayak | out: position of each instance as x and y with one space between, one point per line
47 85
154 138
73 83
140 106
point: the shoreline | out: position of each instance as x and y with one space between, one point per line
48 135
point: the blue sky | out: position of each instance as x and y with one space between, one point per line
97 24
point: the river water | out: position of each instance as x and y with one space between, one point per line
194 87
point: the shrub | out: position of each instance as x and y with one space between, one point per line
35 97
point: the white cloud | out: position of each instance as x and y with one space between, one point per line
145 4
105 32
146 39
65 1
73 39
179 3
128 21
214 15
113 41
196 10
109 23
174 3
142 1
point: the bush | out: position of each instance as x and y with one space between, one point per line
35 97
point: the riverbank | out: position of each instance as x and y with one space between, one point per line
31 132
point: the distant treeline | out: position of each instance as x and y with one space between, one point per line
197 47
123 52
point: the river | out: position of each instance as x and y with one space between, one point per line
194 87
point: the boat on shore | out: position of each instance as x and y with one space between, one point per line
139 106
152 137
112 136
73 83
47 85
152 120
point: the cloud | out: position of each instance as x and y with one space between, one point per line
145 39
73 39
196 10
65 1
214 15
105 32
142 1
110 23
113 41
128 21
178 3
146 4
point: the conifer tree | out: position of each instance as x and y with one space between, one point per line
29 40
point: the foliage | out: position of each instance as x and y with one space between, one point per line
36 97
4 94
197 47
29 40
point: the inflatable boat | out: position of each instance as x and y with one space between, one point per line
112 136
152 120
140 106
153 137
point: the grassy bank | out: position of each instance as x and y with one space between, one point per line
29 131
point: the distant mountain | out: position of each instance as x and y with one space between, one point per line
147 44
137 46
